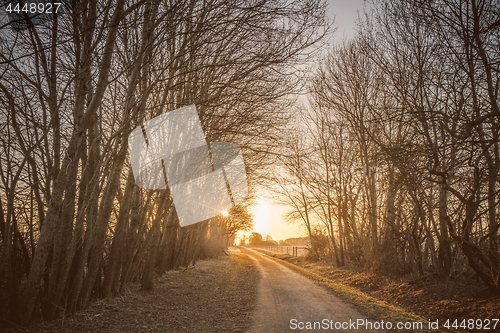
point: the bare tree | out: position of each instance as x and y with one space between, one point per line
73 222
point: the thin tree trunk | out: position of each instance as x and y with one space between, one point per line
114 265
444 253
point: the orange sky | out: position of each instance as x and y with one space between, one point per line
268 219
268 216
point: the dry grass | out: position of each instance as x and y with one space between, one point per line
370 306
214 296
427 297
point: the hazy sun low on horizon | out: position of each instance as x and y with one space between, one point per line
268 220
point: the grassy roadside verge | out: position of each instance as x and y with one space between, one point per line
366 304
216 295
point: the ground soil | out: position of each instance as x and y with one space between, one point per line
219 295
427 296
215 295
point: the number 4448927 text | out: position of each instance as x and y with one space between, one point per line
34 7
478 324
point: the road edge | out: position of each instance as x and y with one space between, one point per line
373 308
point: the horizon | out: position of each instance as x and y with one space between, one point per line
273 224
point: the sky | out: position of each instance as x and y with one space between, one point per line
268 217
345 14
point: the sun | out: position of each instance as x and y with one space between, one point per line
225 213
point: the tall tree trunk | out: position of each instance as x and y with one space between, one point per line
153 239
101 224
444 252
166 251
30 292
114 265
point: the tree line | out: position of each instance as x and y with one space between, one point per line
73 223
396 159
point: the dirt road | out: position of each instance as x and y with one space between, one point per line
290 302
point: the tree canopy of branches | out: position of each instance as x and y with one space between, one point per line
73 223
401 157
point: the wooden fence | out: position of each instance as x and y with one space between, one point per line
295 251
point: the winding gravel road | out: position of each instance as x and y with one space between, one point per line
290 302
